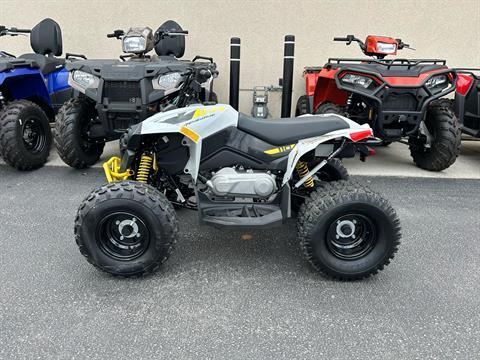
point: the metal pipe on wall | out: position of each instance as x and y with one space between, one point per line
234 72
287 82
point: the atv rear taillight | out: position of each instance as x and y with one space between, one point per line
360 135
463 84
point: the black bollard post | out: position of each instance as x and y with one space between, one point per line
234 71
288 56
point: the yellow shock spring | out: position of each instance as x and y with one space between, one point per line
302 169
144 168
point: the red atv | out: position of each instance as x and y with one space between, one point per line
398 98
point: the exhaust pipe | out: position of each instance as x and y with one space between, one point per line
234 72
287 80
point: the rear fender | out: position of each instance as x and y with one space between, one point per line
24 83
304 146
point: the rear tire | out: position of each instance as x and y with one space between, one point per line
126 228
333 170
443 125
368 226
330 108
71 137
25 135
303 106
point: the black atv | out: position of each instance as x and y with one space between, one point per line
112 95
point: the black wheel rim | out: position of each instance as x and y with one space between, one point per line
123 236
351 236
34 136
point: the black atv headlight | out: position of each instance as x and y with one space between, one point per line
437 83
359 81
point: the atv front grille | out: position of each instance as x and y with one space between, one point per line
121 91
400 101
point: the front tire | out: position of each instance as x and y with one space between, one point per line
71 138
445 131
25 136
126 228
303 106
330 108
348 232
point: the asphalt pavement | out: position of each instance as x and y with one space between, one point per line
221 297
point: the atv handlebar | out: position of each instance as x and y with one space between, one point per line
21 31
349 39
161 34
402 45
116 34
13 31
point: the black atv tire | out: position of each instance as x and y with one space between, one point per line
333 170
372 220
448 103
132 203
442 123
303 106
330 108
70 135
25 135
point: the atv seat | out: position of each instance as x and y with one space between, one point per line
47 64
46 41
290 130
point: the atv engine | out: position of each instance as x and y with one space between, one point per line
242 183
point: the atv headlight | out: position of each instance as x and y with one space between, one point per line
386 48
169 81
437 83
134 44
360 80
83 78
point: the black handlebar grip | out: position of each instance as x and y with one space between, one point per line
24 31
110 35
340 39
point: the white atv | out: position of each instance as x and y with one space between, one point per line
237 172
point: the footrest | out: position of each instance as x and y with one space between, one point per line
241 215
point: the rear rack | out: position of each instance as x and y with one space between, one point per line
386 62
474 72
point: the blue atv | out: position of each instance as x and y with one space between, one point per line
32 88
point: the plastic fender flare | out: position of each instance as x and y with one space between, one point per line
306 145
25 83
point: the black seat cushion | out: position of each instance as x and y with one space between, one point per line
170 45
46 64
290 130
46 38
